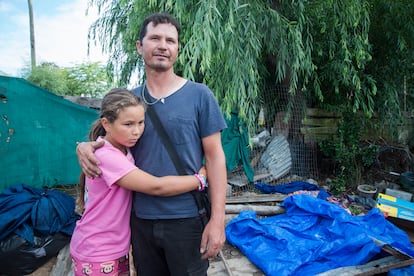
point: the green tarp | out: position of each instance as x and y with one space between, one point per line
38 134
235 140
39 130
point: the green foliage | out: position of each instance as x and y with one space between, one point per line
343 54
50 77
349 155
341 50
392 39
338 185
86 79
356 209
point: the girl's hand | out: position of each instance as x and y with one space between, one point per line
203 171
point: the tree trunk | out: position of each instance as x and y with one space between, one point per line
32 36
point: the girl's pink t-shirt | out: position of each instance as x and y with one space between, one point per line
103 232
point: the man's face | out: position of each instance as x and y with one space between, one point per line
159 47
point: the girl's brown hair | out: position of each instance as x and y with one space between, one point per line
112 104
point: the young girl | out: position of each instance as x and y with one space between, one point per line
101 240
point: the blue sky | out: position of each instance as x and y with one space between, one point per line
61 29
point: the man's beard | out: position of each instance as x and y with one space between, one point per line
160 67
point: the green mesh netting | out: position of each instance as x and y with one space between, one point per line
38 134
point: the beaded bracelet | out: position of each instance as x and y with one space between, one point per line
203 181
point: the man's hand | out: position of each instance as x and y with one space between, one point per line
87 160
212 240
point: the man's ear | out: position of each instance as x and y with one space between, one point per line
139 47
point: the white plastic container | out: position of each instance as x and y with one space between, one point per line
399 194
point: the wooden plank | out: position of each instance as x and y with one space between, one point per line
386 268
316 112
276 197
319 136
328 122
261 176
371 268
318 130
262 210
238 181
397 259
241 180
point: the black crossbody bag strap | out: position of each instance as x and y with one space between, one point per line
177 161
165 139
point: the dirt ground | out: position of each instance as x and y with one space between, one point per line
45 269
235 261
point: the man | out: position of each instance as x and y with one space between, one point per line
167 234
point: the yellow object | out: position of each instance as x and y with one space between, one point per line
395 207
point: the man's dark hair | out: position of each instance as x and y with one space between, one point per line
158 18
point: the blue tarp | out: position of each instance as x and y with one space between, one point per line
26 210
287 187
312 237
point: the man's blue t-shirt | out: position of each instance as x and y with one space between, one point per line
188 115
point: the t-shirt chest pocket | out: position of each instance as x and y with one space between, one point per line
180 130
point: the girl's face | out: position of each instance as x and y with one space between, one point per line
127 128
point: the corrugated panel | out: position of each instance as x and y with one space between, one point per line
277 159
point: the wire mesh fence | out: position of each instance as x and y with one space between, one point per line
279 152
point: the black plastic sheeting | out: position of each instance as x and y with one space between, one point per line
20 257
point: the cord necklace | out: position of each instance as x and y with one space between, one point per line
145 100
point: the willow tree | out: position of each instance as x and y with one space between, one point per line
392 39
237 47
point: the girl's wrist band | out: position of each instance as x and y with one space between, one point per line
203 182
